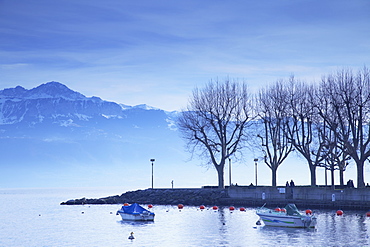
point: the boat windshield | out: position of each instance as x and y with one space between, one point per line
291 209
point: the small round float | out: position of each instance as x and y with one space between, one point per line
277 209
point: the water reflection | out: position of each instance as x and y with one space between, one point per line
282 235
351 227
222 228
171 227
135 223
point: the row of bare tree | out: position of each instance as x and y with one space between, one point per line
327 122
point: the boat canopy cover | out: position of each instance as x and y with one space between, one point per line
291 209
134 209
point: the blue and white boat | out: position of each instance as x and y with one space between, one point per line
290 217
135 212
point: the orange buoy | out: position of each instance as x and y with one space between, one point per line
368 214
231 208
339 212
214 207
277 209
150 206
180 206
126 204
283 210
202 207
242 209
308 211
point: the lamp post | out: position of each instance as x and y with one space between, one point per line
229 171
229 167
255 163
152 160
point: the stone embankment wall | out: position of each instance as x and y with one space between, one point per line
246 196
302 196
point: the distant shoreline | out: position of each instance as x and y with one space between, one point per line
246 196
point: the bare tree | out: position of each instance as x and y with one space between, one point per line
336 157
304 129
272 109
336 154
215 121
350 99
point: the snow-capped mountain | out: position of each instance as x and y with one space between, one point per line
52 126
54 104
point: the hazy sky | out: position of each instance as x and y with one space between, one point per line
156 52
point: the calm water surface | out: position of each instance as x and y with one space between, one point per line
33 217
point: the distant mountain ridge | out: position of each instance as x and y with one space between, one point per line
48 90
55 101
53 126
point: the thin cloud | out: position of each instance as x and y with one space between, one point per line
157 52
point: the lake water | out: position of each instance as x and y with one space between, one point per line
33 217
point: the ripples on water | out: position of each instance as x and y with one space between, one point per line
35 218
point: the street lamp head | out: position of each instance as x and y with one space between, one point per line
255 160
152 160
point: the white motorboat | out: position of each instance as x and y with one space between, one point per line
135 212
288 217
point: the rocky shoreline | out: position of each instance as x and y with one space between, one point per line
160 197
303 197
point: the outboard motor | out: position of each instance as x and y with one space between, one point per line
307 221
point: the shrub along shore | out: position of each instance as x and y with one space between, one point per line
246 196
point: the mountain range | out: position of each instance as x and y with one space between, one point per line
53 136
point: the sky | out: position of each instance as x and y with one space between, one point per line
157 52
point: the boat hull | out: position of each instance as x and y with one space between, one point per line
136 217
135 212
282 220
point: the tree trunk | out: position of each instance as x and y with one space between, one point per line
274 175
313 175
220 173
360 174
341 177
332 177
